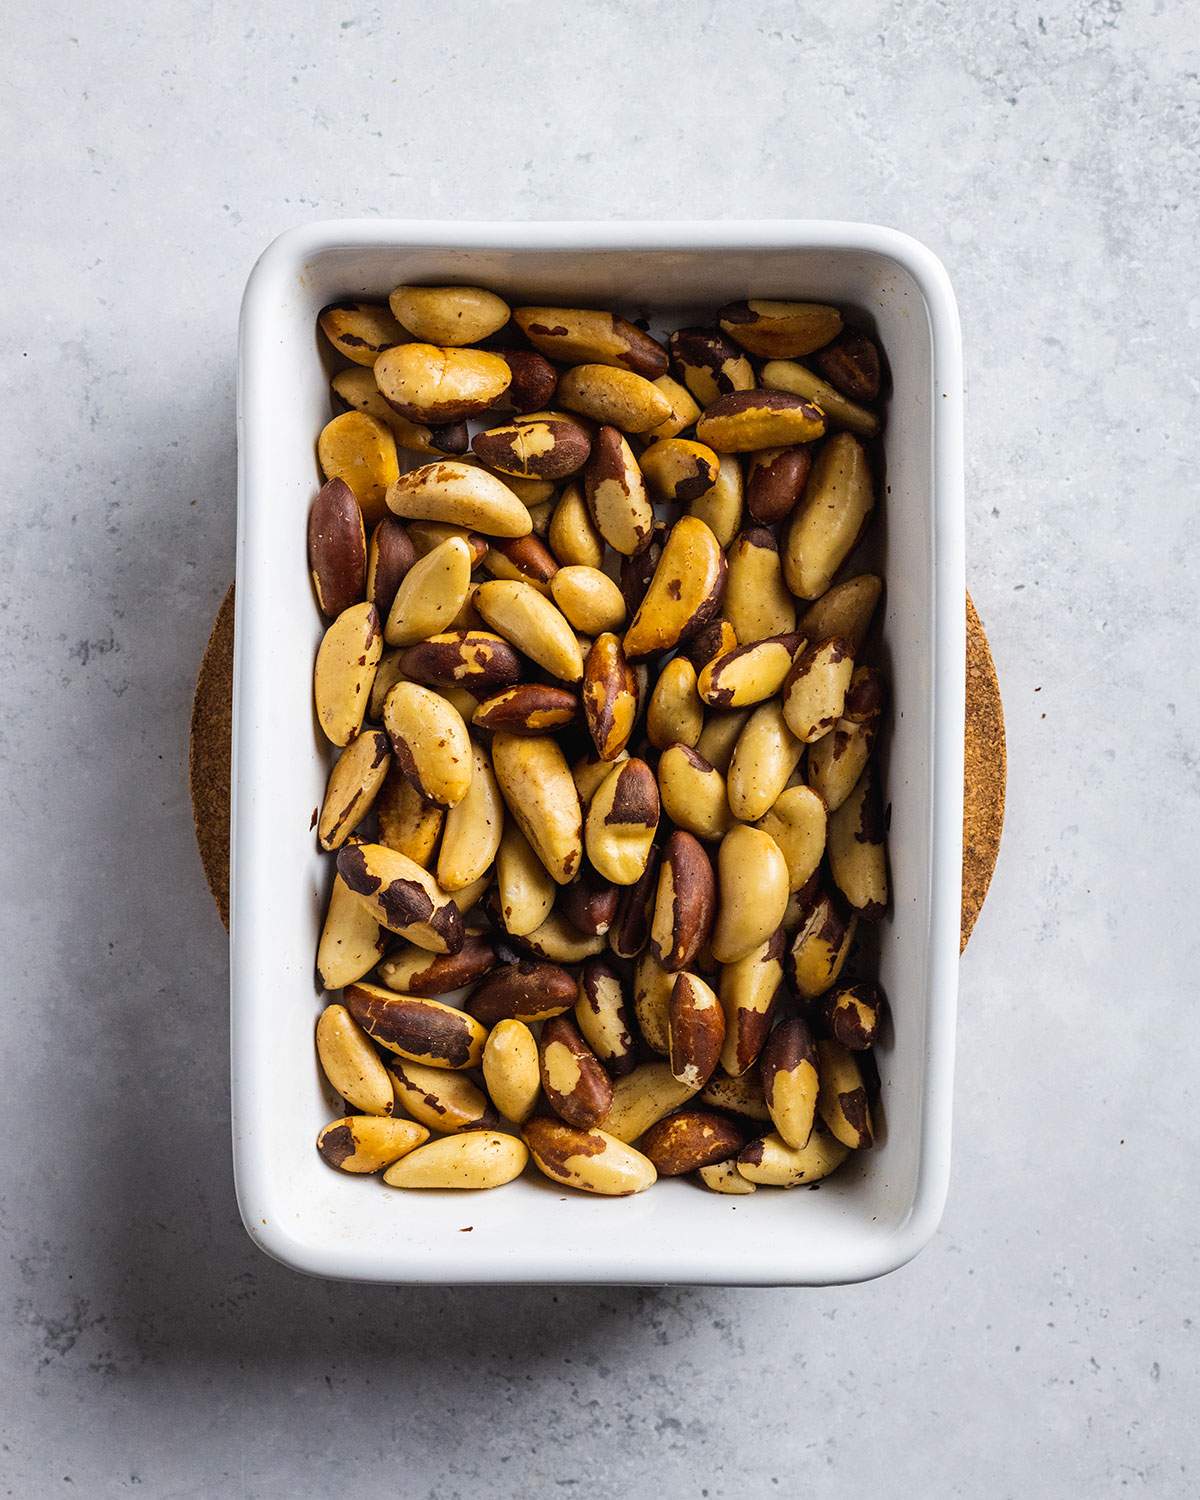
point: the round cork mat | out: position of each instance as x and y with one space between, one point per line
984 778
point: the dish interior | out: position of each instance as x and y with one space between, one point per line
323 1221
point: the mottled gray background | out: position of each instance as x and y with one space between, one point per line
1046 1344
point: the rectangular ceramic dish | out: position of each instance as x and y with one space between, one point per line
883 1207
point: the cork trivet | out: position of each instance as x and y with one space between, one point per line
983 809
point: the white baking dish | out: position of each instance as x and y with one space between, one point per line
884 1206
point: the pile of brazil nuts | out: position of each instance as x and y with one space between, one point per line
606 818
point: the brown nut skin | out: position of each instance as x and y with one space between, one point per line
526 558
684 903
775 480
389 558
821 945
708 364
630 931
857 848
616 494
528 708
742 1096
368 1143
409 970
845 610
712 641
605 1018
622 820
402 896
790 1080
337 548
814 690
749 990
757 603
425 1031
852 1013
851 364
679 470
695 1030
594 1161
429 384
473 659
460 494
534 380
524 990
691 1139
576 1087
747 420
430 743
684 593
826 525
440 1099
590 903
575 336
549 447
843 1102
780 330
360 330
610 696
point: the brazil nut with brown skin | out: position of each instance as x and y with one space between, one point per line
590 903
536 784
351 1063
594 1161
679 470
410 970
748 420
523 990
756 602
826 525
843 1102
622 820
857 848
360 330
742 1096
845 610
720 507
548 446
605 1017
695 1030
836 761
524 558
616 493
337 548
527 708
851 1014
749 989
429 384
575 335
821 945
402 896
691 1139
407 822
390 555
684 903
775 480
790 1080
708 364
693 793
630 931
439 1098
353 785
430 742
613 396
368 1143
576 1087
769 1159
748 674
684 593
345 671
425 1031
478 660
610 698
780 330
356 387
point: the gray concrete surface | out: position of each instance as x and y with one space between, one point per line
1046 1344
